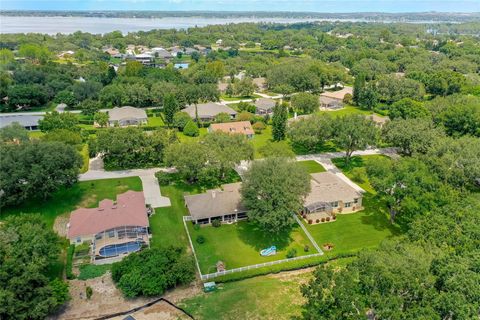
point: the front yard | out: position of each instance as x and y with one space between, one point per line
311 166
239 245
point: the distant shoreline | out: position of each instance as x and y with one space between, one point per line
367 16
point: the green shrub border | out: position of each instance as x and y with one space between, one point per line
69 263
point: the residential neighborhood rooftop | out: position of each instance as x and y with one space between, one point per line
128 210
126 112
23 120
208 110
328 187
265 103
216 202
239 127
339 94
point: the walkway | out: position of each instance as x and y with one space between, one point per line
151 188
325 159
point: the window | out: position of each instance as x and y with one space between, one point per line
348 204
355 200
111 234
334 204
79 239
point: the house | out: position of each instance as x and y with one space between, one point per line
27 121
218 204
219 42
240 127
161 53
114 228
261 83
264 106
330 195
331 100
127 116
144 58
208 111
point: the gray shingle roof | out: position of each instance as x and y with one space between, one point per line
118 114
265 103
23 120
216 202
208 110
327 187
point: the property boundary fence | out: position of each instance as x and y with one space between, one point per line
255 266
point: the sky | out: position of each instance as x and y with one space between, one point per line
249 5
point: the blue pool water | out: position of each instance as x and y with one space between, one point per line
117 249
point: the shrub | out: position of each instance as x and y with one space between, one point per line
292 253
164 178
180 120
306 248
309 221
69 263
216 223
196 227
328 219
358 175
334 217
323 219
153 271
347 98
88 292
191 129
200 239
258 127
317 221
90 271
245 116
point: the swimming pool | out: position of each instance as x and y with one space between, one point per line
118 249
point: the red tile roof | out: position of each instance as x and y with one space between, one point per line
129 210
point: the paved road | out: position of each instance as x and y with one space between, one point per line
325 159
151 188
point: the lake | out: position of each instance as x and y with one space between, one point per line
54 25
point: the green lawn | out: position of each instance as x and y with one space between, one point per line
264 297
82 194
311 166
35 134
85 158
155 122
356 170
184 138
239 245
228 98
349 109
356 231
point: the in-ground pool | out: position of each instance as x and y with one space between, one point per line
117 249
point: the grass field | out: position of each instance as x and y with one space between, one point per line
264 297
155 122
311 166
82 194
348 109
239 245
184 138
356 231
228 98
356 170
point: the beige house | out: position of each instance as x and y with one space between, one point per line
217 204
264 106
238 127
330 195
332 100
127 116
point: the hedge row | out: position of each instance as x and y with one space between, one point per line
287 266
69 263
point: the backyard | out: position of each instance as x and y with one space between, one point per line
311 166
239 245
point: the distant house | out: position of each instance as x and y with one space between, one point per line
208 111
111 51
144 58
219 42
239 127
264 106
114 229
161 53
330 100
127 116
27 121
218 204
330 195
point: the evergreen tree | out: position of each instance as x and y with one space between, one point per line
358 87
279 121
170 107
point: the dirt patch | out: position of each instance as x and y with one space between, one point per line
300 275
87 201
159 311
328 246
60 224
107 299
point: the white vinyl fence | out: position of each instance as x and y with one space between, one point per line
255 266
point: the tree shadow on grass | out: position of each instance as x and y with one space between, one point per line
376 215
251 234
